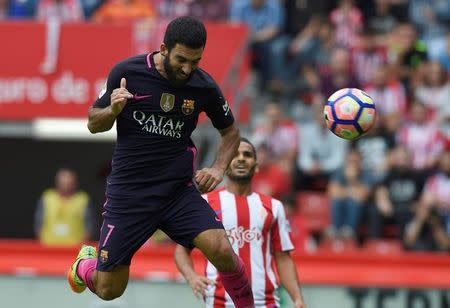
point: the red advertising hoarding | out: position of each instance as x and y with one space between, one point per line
83 56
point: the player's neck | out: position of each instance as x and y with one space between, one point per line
159 65
239 188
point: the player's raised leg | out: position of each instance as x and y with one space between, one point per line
83 273
215 246
191 222
106 273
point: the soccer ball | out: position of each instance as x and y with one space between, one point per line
349 113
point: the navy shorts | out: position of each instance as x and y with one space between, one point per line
182 217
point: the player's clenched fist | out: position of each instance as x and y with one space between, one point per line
119 97
208 178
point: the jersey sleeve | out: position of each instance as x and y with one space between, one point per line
113 82
280 235
218 110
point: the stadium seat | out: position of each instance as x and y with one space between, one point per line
383 246
315 208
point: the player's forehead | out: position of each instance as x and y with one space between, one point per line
191 54
244 147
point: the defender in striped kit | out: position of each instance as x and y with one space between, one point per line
258 231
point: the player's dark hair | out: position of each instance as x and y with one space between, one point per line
243 139
187 31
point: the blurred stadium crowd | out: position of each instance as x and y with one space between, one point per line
393 183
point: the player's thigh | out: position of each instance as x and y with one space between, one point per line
187 216
214 244
121 235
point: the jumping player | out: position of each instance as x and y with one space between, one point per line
258 230
156 100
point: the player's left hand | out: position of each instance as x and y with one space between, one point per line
208 178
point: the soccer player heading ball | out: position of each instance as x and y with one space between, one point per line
156 99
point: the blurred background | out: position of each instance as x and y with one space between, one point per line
370 218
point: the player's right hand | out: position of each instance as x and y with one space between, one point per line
119 97
199 284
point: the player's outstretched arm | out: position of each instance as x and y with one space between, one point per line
208 178
288 277
184 264
102 119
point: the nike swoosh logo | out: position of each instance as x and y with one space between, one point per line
140 97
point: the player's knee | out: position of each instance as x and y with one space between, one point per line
223 256
108 293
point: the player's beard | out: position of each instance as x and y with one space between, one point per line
172 75
241 179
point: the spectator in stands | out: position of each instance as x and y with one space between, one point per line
301 75
429 229
349 191
266 19
381 18
90 6
299 14
434 91
375 148
444 56
367 56
63 11
422 138
270 178
432 19
291 53
321 154
280 134
326 47
124 11
348 22
17 9
64 216
387 92
407 52
170 9
340 74
217 10
397 195
426 232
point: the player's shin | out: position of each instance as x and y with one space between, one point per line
238 286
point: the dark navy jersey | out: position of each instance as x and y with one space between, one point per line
154 154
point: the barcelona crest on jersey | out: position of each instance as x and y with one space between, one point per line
103 255
188 106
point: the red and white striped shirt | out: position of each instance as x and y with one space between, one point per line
423 141
388 99
257 227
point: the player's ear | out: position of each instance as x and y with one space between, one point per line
163 50
256 167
